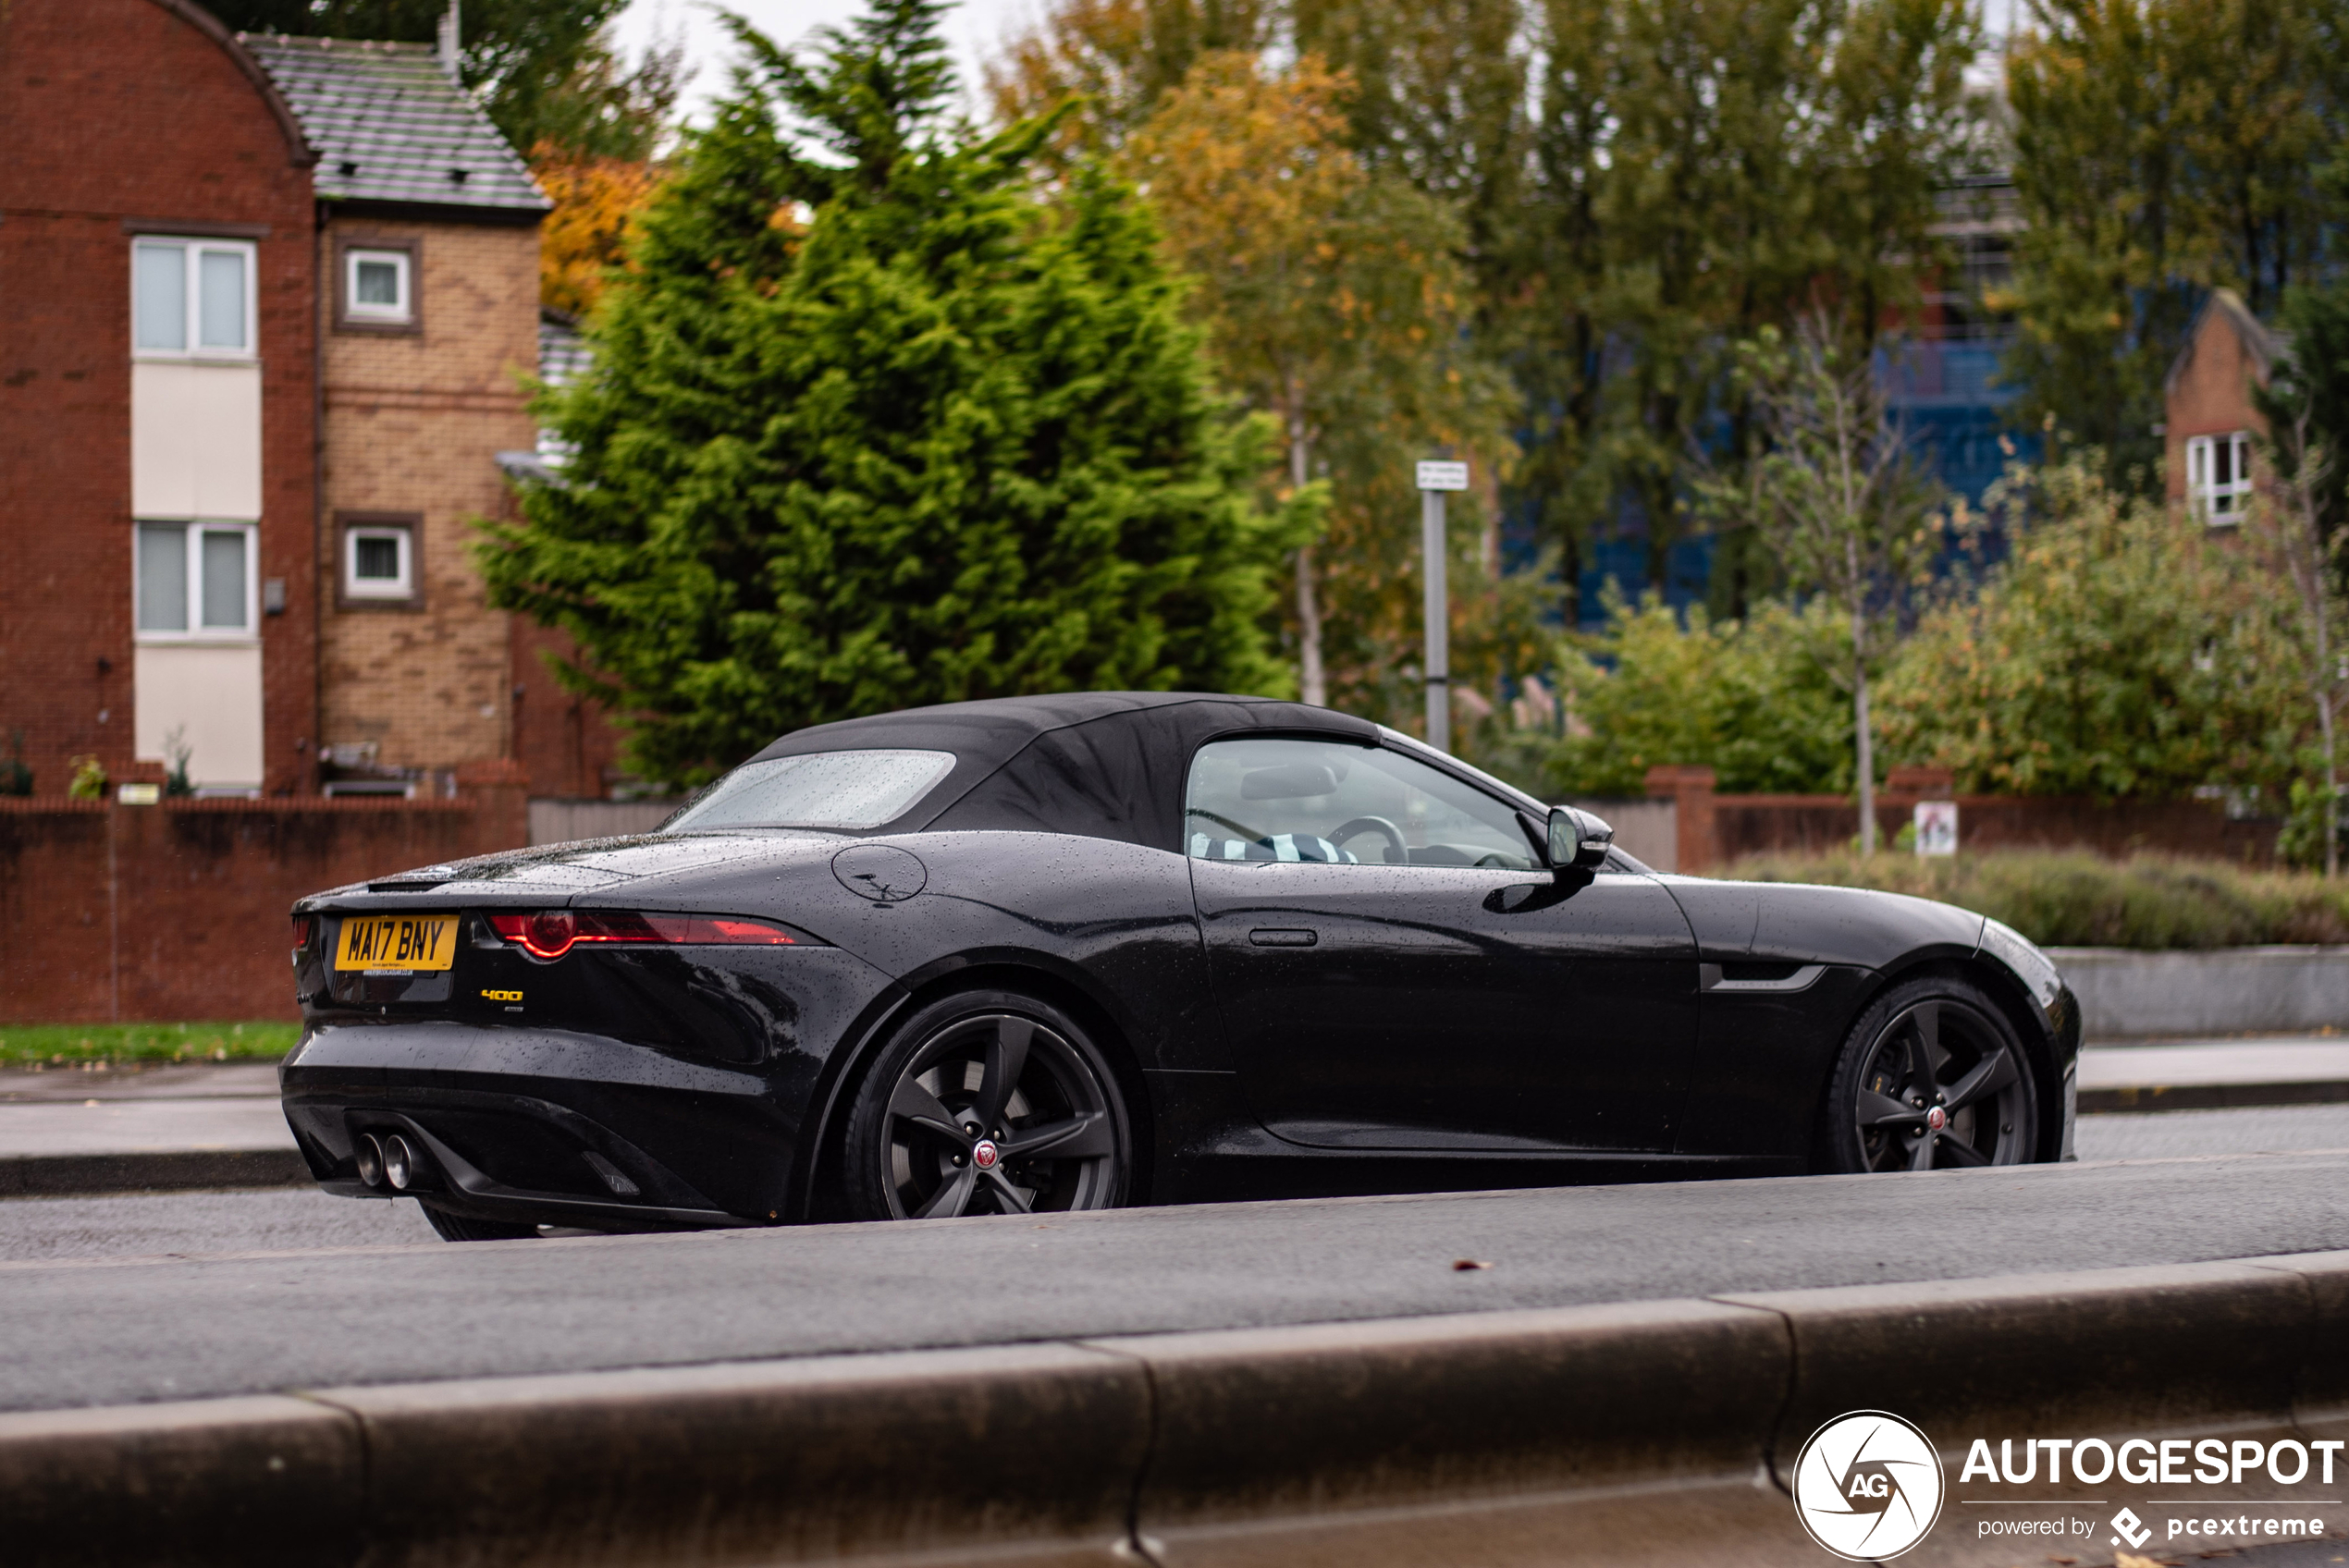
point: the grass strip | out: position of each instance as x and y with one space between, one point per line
60 1043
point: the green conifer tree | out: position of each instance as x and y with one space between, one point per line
869 427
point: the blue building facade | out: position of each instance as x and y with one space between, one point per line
1940 379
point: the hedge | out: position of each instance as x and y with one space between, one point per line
2080 900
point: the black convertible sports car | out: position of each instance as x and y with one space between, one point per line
1081 951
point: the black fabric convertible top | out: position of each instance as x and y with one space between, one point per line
1106 765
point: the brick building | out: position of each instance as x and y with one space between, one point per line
158 371
266 305
427 318
2208 419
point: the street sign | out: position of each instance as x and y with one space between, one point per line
1435 479
1937 827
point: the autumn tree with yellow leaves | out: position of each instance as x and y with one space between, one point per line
1334 299
597 203
598 162
1112 61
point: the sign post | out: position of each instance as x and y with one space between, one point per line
1434 481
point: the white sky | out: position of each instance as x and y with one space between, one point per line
976 29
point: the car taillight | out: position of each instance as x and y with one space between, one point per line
552 933
301 932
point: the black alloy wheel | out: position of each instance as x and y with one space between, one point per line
987 1104
464 1228
1933 1077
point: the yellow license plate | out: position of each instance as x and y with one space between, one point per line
398 943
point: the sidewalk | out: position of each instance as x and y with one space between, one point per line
2197 1075
175 1126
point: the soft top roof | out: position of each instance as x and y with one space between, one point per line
1108 764
999 727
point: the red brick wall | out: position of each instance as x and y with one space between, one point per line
569 743
114 110
1716 831
1745 825
177 912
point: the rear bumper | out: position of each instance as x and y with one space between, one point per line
543 1125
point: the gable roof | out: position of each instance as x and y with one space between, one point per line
389 125
299 152
2262 344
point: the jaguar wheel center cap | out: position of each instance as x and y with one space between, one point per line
984 1154
1935 1119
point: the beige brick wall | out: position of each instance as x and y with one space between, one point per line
412 424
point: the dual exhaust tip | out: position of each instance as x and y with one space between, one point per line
386 1160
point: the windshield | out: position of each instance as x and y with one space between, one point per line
841 789
1501 787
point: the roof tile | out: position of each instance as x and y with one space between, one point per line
389 125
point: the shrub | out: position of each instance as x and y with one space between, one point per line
15 775
1751 700
89 782
2120 650
2074 898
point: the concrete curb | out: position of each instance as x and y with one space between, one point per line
2138 1099
160 1171
1655 1432
264 1480
1033 1448
1488 1438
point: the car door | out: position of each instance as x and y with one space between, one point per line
1396 969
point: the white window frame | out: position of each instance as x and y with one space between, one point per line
2219 504
357 587
399 314
196 631
192 297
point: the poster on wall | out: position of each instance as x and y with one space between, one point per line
1937 827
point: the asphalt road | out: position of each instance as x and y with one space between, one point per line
106 1330
299 1220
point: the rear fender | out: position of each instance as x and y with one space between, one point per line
1035 975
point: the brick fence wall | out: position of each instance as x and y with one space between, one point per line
1712 832
179 911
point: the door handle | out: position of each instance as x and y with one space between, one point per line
1282 936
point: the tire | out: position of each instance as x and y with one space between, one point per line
987 1103
464 1228
1930 1048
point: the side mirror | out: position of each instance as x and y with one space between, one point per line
1578 841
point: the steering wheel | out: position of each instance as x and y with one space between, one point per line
1400 852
